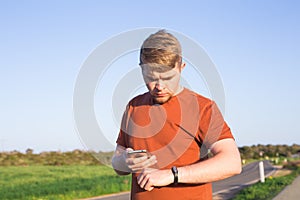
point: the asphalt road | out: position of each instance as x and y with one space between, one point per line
223 188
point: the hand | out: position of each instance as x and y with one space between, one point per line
149 178
137 164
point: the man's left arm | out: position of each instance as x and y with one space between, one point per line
226 162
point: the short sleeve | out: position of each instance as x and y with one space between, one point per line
212 126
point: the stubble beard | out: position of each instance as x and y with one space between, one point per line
161 100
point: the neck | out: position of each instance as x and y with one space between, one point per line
180 88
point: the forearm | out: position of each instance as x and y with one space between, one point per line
223 165
213 169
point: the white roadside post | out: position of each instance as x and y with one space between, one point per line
261 172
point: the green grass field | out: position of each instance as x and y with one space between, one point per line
59 182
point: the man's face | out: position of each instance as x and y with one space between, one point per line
162 85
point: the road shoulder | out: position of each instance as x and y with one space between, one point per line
290 192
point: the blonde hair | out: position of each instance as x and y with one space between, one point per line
161 49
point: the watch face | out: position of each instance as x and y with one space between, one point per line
174 169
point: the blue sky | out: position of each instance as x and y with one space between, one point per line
254 45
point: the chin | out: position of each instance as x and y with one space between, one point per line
161 100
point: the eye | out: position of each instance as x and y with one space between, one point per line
151 79
167 78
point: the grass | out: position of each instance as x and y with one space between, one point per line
59 182
267 190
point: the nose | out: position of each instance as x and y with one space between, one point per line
159 85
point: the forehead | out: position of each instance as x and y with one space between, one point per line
152 72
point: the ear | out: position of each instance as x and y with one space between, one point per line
182 66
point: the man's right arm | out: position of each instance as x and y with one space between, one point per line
123 164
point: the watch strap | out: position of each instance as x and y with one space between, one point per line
175 173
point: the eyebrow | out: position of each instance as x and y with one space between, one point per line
167 78
163 78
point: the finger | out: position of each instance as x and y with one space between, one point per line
148 185
144 181
129 149
140 178
135 169
151 161
150 188
146 162
139 159
136 163
126 152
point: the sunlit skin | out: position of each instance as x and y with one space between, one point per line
163 85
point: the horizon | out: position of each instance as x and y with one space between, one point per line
91 151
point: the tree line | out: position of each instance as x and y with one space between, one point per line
271 151
79 157
54 158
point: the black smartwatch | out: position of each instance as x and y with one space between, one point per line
175 173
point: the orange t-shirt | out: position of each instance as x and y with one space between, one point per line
178 132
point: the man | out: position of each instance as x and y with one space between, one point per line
176 127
